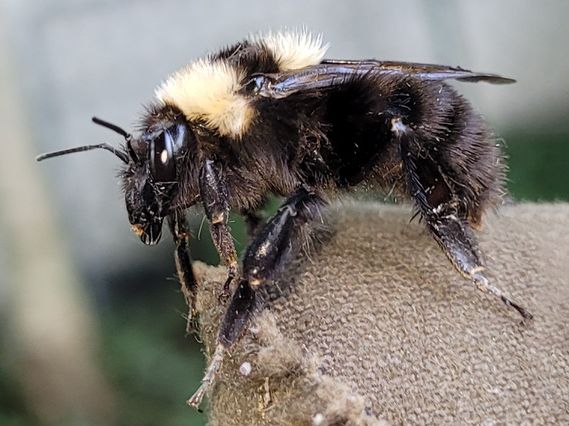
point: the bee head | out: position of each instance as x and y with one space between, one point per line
152 176
153 168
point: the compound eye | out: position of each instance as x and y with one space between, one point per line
162 161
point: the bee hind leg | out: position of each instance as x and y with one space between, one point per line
459 244
443 211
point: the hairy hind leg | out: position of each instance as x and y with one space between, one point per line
442 211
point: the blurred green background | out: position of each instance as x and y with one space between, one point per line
92 322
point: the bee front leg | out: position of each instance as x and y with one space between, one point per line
181 234
214 195
264 258
444 213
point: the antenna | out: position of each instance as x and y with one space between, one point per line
118 152
122 155
127 136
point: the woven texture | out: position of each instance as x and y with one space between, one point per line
376 327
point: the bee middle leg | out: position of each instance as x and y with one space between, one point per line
264 259
443 212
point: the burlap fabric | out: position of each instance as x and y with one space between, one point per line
376 327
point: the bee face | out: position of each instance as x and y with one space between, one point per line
152 176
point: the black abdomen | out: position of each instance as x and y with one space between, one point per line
449 137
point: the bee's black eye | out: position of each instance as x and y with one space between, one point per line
162 161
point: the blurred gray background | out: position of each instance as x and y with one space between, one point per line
92 329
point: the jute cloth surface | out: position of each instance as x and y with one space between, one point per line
375 327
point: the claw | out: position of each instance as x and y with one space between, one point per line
482 283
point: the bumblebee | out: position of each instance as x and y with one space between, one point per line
269 116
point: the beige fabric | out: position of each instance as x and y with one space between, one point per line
377 327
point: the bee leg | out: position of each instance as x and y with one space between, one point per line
266 255
215 200
443 213
459 244
272 247
181 234
234 322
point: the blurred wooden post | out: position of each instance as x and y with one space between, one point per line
53 337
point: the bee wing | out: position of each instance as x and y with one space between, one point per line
331 72
423 71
